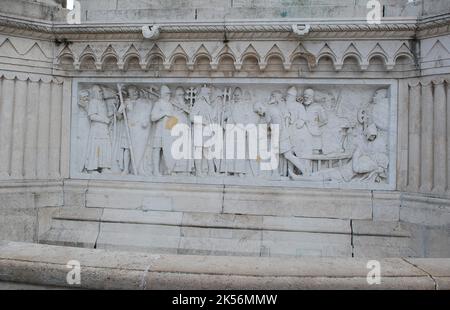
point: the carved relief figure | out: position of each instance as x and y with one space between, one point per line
295 120
181 111
208 114
272 116
250 117
370 159
316 118
235 116
163 117
138 112
99 148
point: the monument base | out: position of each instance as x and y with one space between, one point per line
226 220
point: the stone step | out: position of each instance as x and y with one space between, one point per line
165 232
202 219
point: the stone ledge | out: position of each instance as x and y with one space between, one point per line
45 265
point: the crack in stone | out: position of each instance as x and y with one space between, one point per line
436 286
351 238
143 285
99 228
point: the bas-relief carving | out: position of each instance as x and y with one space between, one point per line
336 134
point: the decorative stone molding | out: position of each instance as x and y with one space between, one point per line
235 29
262 53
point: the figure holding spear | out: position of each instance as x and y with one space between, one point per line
123 111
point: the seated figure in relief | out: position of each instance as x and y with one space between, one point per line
370 160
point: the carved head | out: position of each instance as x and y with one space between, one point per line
179 94
371 132
380 94
84 98
96 92
248 96
237 94
165 92
276 97
291 95
133 92
308 96
205 92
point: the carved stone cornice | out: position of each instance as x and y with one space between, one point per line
435 25
235 30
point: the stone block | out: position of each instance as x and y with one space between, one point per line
321 225
423 210
380 228
79 214
277 243
386 206
219 246
45 217
72 233
222 220
141 238
142 217
341 204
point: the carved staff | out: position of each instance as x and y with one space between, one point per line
133 161
338 103
111 95
225 103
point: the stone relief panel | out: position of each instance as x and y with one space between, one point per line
320 134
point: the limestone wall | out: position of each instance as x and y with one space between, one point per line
41 63
219 10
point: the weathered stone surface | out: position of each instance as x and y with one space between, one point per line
429 211
397 205
133 237
386 206
199 233
72 233
126 270
285 202
26 208
380 228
